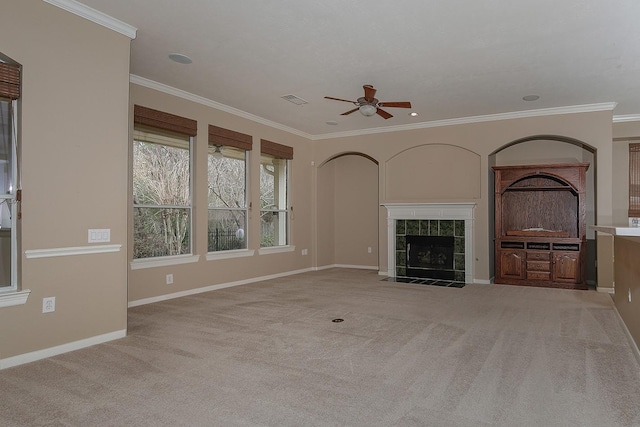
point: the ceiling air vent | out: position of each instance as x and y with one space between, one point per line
294 99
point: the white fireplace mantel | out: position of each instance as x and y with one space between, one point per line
455 211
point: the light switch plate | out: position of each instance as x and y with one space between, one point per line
99 235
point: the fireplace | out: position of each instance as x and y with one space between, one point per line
430 257
452 221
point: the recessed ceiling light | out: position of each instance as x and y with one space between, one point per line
531 98
180 58
332 122
413 114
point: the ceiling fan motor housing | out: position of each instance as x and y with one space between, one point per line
363 101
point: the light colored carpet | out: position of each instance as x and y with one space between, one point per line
405 355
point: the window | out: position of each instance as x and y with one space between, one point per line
227 159
9 183
161 184
274 183
634 183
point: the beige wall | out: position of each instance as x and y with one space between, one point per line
150 282
74 113
325 223
356 211
481 140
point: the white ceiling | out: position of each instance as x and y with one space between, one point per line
450 58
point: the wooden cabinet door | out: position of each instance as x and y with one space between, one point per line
512 264
566 267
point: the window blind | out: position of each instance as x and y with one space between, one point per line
229 138
277 150
9 80
161 120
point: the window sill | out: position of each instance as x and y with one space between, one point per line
239 253
276 249
139 264
10 299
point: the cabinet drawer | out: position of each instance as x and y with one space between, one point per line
538 266
542 256
538 275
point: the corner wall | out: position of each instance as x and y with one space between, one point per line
148 284
74 115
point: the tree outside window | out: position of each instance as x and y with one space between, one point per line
161 193
227 227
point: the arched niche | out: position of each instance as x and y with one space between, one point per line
348 211
549 149
433 172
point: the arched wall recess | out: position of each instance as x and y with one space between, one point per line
433 172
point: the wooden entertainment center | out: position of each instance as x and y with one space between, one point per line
540 230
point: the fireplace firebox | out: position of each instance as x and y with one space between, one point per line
430 257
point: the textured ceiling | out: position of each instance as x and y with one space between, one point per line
450 58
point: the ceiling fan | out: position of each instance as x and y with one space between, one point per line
369 105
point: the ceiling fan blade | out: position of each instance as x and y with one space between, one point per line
369 92
395 104
339 99
350 111
383 114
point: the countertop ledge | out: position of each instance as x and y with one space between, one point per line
617 230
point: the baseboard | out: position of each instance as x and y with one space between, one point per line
482 281
21 359
632 342
605 290
166 297
359 267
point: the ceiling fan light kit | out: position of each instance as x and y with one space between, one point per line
368 110
368 105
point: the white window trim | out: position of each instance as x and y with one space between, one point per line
142 263
236 253
286 210
12 295
11 298
276 249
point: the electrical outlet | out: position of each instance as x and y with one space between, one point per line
48 304
629 294
169 279
305 252
369 249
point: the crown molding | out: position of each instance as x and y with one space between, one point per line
141 81
626 118
587 108
95 16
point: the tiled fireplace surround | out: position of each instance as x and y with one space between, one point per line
431 219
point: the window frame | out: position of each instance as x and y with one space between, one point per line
12 197
10 92
170 259
634 183
244 209
283 212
